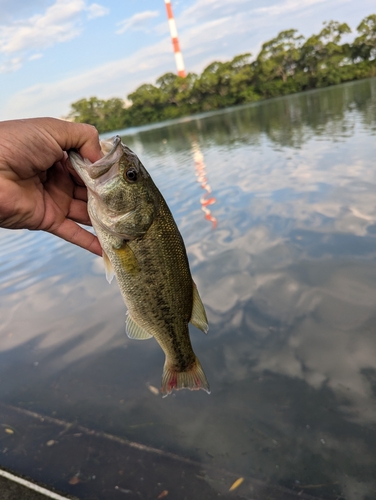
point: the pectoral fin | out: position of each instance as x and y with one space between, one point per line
198 318
135 331
127 259
108 267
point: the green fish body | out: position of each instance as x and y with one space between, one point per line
142 246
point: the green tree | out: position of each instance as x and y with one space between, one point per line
86 111
242 79
279 57
148 102
212 86
114 115
364 46
322 55
284 65
224 84
104 115
178 93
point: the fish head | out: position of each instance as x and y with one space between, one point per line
122 198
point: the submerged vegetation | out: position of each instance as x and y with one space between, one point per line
286 64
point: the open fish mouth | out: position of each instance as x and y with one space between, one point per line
108 146
90 172
100 178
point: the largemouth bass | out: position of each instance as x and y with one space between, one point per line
142 246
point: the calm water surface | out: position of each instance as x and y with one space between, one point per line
284 256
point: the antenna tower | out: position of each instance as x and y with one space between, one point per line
175 41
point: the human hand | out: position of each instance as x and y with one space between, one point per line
38 190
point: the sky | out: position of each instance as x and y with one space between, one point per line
55 52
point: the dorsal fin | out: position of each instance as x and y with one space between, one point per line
198 318
135 331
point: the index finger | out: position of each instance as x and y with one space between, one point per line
71 135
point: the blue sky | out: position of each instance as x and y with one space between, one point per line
54 52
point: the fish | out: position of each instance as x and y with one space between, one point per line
143 248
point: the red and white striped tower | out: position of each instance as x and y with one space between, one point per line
175 41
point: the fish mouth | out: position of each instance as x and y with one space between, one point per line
90 172
95 175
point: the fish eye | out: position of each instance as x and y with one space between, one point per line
131 175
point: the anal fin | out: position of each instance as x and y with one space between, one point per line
198 318
135 331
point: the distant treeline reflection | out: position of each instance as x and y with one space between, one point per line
287 122
286 64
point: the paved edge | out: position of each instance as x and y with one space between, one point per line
32 486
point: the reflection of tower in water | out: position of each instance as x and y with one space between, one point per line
200 169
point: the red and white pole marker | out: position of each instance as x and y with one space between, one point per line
175 41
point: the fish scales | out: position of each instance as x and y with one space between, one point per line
156 300
143 245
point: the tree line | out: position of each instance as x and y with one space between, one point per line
286 64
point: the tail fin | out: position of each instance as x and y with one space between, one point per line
193 379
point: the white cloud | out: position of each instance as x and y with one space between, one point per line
60 22
10 65
19 8
136 22
57 24
208 30
105 81
290 5
35 56
95 10
199 42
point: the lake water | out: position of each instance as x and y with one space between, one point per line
276 203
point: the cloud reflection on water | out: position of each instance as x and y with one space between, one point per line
288 278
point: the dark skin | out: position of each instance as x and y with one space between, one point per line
38 188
